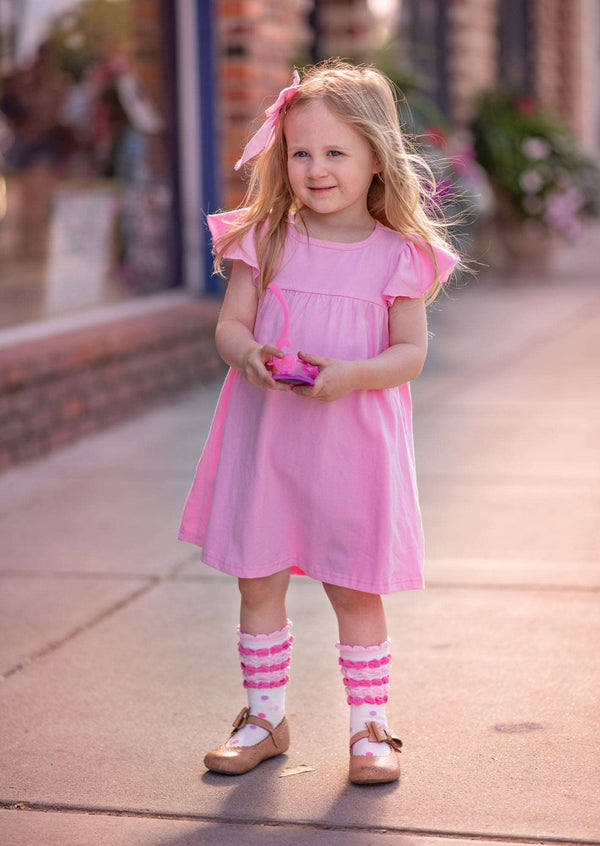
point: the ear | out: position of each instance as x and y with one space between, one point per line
377 166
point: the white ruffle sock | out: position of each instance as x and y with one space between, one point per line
365 671
265 661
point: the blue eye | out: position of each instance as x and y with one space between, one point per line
301 154
334 153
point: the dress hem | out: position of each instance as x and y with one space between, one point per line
269 570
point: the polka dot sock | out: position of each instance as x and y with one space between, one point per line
365 670
265 661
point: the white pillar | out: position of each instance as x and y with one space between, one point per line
188 107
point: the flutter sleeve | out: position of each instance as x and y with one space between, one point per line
242 250
413 271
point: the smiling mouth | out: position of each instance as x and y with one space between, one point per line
321 188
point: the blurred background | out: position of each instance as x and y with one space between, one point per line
120 122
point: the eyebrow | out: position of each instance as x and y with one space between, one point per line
340 147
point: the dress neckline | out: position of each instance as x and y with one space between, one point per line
336 245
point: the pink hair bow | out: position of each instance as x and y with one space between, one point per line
263 137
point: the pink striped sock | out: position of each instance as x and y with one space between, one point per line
265 661
365 671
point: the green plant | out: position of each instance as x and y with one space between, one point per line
538 169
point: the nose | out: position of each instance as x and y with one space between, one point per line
317 167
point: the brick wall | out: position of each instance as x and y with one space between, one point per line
547 46
346 29
473 59
558 59
55 390
258 43
590 71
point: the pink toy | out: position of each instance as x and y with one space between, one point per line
290 369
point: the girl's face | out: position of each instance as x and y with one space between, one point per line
330 165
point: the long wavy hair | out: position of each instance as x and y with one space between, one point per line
401 196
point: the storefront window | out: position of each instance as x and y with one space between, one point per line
85 191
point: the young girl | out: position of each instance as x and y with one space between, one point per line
319 478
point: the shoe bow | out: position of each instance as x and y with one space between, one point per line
379 734
241 719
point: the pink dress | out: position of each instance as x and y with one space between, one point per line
328 487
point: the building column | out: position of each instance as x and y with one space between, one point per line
197 149
473 60
567 64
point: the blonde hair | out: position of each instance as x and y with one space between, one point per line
399 197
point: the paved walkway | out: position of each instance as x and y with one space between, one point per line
117 645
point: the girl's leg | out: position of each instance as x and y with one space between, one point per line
264 646
263 603
364 660
361 618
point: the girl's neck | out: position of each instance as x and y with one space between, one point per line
345 232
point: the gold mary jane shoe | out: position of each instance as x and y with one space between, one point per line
235 760
375 769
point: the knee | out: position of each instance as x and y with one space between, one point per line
351 601
256 593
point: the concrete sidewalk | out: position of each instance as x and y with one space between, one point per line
117 644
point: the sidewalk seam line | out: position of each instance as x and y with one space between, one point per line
127 600
544 588
40 807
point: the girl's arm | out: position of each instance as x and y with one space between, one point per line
405 357
234 333
401 362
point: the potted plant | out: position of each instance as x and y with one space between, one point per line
544 183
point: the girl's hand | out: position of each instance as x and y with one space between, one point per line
335 379
256 365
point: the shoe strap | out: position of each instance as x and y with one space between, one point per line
245 717
376 733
